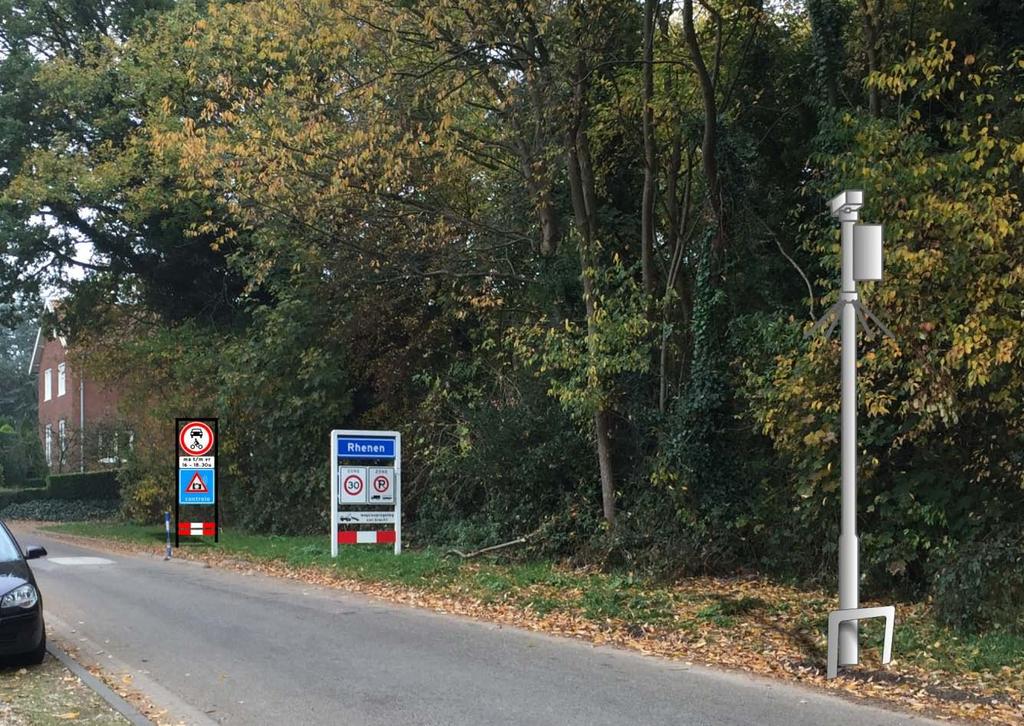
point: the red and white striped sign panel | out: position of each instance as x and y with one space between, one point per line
197 529
384 536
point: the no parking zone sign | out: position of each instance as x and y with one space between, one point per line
195 466
380 485
366 474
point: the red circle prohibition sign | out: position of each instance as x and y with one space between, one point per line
192 436
347 484
381 484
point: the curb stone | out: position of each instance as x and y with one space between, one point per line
102 690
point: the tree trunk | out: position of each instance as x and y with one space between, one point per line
827 46
678 216
709 144
871 33
584 201
604 460
647 209
539 189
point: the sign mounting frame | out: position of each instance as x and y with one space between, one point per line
196 447
368 451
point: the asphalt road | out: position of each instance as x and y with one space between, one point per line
220 646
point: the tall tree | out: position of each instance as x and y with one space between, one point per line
17 385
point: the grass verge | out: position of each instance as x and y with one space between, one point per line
50 695
745 623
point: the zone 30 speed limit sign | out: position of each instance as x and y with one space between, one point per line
353 485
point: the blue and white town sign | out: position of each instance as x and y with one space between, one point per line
366 488
359 447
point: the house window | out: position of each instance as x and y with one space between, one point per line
62 437
49 445
61 384
47 384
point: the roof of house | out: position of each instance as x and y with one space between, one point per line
37 349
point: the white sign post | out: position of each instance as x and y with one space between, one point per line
861 260
366 471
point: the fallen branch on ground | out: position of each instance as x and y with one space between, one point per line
469 555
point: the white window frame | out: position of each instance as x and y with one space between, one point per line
49 444
104 457
62 387
47 384
62 437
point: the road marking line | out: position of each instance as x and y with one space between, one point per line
79 561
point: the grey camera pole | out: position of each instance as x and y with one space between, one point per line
861 259
849 566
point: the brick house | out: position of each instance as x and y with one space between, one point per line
79 425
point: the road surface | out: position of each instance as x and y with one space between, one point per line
217 646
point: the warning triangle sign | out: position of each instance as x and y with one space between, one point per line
197 485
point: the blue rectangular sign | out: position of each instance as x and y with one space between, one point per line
196 486
365 448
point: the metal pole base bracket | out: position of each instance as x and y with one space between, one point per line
841 616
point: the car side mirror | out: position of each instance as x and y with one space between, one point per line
34 552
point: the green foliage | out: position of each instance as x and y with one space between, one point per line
143 358
72 143
979 585
278 387
21 456
502 454
17 386
700 439
583 362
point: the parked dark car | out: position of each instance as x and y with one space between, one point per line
22 632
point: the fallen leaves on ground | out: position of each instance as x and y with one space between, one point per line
49 693
138 700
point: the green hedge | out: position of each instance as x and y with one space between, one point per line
13 496
90 485
62 510
93 485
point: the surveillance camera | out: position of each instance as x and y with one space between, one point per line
847 201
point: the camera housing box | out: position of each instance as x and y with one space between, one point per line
846 202
867 252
